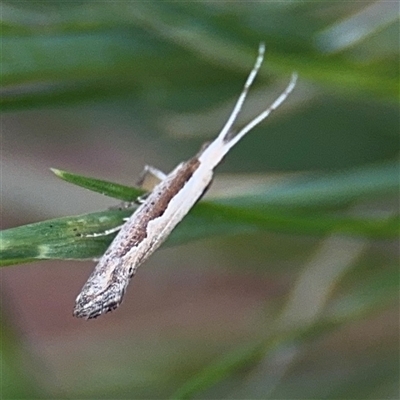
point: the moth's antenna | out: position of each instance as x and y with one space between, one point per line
228 137
231 141
242 97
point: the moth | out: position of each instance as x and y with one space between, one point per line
163 208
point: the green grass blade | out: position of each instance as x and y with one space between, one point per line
61 238
117 191
65 238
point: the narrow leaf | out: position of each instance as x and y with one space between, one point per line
117 191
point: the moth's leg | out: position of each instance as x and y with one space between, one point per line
150 177
124 205
106 232
148 180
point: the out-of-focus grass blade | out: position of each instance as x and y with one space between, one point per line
68 68
108 48
15 363
246 357
227 365
289 221
350 308
335 189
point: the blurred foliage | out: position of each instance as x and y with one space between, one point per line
57 54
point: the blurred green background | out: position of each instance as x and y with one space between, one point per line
262 311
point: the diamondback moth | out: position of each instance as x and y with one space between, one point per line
165 206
